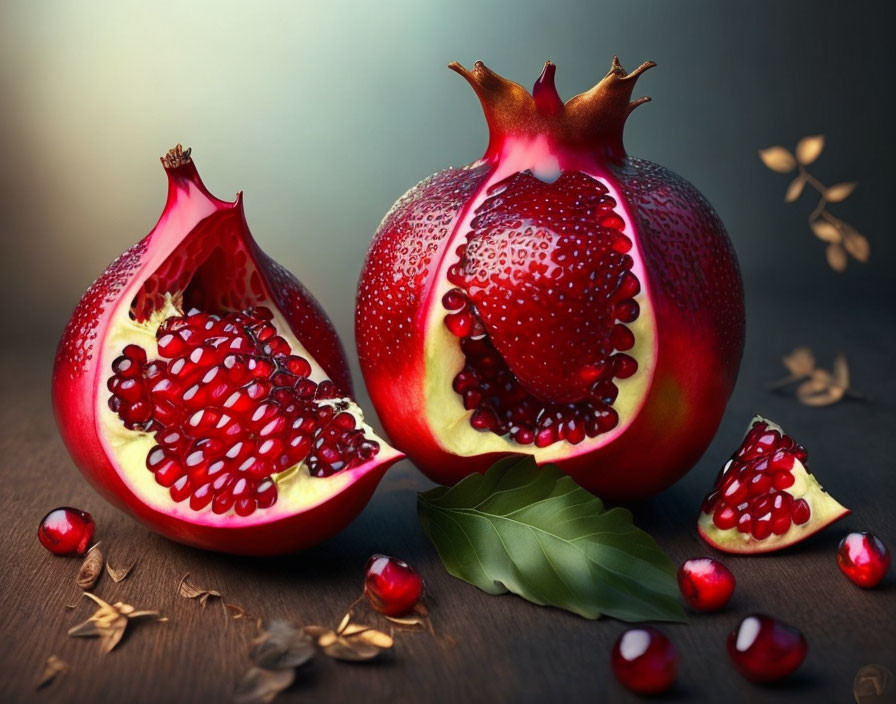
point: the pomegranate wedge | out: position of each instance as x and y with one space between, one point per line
200 387
765 498
555 298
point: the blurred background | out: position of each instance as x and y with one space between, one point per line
325 113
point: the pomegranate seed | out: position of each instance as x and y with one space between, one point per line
392 586
706 584
66 531
764 649
863 558
645 661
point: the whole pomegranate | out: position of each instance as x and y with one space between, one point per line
556 298
201 388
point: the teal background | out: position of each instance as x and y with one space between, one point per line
325 113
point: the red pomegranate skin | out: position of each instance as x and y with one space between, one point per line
76 372
696 290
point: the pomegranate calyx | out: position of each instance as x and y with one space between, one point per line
591 121
177 156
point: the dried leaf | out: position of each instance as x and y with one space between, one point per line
344 622
826 231
841 371
820 389
260 686
809 148
836 256
118 574
53 667
409 622
109 622
795 189
352 650
281 645
839 191
190 591
778 159
91 569
800 362
316 631
857 245
235 611
327 638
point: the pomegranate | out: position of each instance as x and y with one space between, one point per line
66 531
863 558
200 387
764 649
765 498
392 586
555 298
645 661
705 584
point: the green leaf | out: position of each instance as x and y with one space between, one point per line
533 531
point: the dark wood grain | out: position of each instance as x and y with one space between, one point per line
506 649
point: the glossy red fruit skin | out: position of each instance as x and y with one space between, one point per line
705 584
66 531
774 651
649 672
392 586
864 559
698 303
77 380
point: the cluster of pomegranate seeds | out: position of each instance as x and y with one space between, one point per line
66 531
750 492
546 268
230 405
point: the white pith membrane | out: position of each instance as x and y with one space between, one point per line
824 510
444 358
297 490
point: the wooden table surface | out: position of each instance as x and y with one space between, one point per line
505 649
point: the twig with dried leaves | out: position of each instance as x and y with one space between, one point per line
817 387
842 238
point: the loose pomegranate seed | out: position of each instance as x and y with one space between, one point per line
569 399
863 558
764 649
392 586
229 406
66 531
645 661
706 584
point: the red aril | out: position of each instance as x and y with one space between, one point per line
764 649
863 558
392 586
705 584
66 531
555 298
645 661
765 498
202 389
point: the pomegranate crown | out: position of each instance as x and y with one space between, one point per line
593 120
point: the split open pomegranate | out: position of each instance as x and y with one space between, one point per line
201 388
555 298
765 498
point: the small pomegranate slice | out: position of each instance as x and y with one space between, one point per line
66 531
392 586
765 498
705 584
863 558
764 649
200 387
645 661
